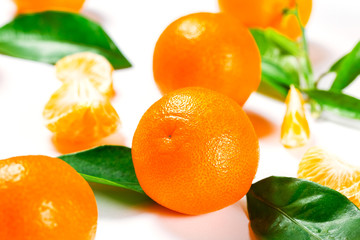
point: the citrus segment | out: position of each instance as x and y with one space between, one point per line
77 112
319 166
44 198
195 151
295 130
87 66
207 50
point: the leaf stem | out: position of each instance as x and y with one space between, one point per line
306 65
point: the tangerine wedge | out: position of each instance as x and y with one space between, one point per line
87 66
319 166
78 112
295 130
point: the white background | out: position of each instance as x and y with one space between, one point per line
135 25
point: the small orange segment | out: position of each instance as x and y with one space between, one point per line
195 151
77 112
295 130
319 166
87 66
80 110
44 198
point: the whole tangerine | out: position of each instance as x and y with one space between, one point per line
33 6
270 13
44 198
208 50
195 151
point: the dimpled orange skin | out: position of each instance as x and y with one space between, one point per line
269 13
44 198
207 50
32 6
195 151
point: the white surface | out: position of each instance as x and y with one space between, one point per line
135 25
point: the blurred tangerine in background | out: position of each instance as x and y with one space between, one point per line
208 50
195 151
270 13
33 6
44 198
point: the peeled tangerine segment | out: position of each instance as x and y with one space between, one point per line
319 166
87 66
295 128
78 112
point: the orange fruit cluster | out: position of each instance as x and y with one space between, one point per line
32 6
44 198
319 166
195 151
208 50
270 13
80 110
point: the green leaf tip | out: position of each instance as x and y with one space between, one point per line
347 69
49 36
108 164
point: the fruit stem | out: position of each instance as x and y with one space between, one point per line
306 65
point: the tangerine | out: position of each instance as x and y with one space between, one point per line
32 6
44 198
195 151
207 50
270 13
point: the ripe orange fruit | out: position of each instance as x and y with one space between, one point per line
32 6
295 130
270 13
319 166
80 111
44 198
195 151
207 50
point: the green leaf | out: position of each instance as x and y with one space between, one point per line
289 208
268 40
336 102
110 165
336 66
261 40
278 73
280 66
49 36
347 69
286 45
